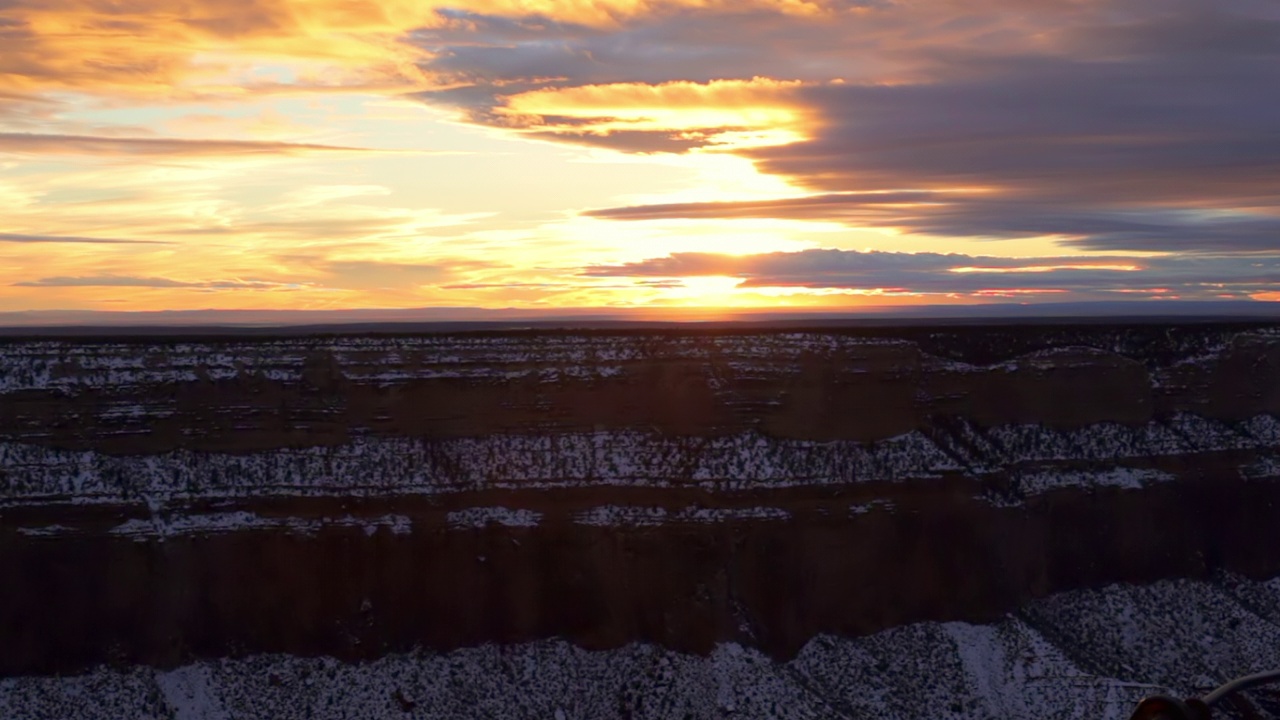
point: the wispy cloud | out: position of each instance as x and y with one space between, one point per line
53 239
30 143
369 274
1101 225
124 281
956 274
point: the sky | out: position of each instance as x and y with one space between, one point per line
622 154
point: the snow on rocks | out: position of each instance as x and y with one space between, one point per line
623 516
388 466
1088 654
1119 477
239 521
481 517
191 693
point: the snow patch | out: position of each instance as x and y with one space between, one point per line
192 693
213 523
482 517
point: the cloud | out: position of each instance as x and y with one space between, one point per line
210 47
145 47
1119 126
1076 134
663 80
848 206
154 282
698 111
30 143
20 238
1116 125
369 274
516 285
987 215
485 57
957 274
319 273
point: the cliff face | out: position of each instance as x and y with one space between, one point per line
151 396
165 500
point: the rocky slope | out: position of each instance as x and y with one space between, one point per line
1082 654
920 522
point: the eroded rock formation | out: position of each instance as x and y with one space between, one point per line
168 501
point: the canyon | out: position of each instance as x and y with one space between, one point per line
1012 520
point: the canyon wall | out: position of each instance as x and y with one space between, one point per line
167 503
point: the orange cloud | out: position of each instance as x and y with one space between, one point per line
190 47
757 111
156 46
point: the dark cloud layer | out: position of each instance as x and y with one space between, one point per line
1099 226
1172 153
939 273
486 58
1119 125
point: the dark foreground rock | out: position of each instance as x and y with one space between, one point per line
1084 654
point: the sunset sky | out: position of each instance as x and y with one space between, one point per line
325 154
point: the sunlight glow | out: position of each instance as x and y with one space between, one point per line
498 153
732 113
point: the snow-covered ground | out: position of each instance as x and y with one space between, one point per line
1100 455
1087 655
